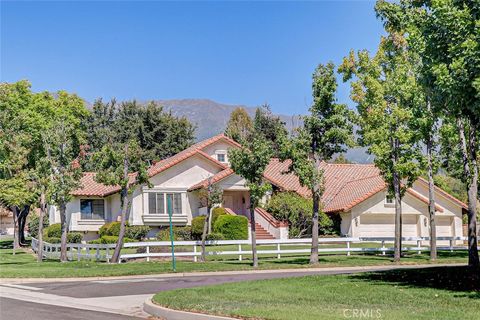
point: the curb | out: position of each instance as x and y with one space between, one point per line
232 272
171 314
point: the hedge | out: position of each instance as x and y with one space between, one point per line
110 229
179 234
72 237
232 227
215 236
137 232
197 227
132 232
53 231
110 240
217 212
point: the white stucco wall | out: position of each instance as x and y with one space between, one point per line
373 217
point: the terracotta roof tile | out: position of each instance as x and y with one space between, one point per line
92 188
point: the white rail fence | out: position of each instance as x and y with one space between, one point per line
240 248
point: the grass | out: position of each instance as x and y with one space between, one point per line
24 265
433 293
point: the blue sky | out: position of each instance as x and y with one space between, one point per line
231 52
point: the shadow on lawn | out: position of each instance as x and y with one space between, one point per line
455 278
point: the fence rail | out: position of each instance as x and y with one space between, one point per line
240 248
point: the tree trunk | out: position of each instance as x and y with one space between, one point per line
123 222
43 208
316 209
204 234
431 201
398 203
15 212
63 221
22 219
471 175
253 232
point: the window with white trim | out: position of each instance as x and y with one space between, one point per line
92 209
221 155
161 202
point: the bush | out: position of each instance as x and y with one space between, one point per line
197 227
297 210
72 237
217 212
34 223
110 229
110 240
179 234
215 236
53 231
232 227
137 232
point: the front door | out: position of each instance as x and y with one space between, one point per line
228 202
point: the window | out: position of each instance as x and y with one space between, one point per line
389 200
221 157
159 203
92 209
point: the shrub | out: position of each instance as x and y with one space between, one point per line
179 234
137 232
297 210
72 237
197 227
217 212
232 227
110 240
215 236
34 223
110 229
53 231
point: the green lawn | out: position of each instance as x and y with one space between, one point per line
24 265
435 293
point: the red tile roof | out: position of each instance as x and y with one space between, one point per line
92 188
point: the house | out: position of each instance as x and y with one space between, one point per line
354 191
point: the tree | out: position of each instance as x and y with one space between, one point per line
396 21
250 162
326 131
159 133
240 125
341 159
450 56
64 175
24 116
209 196
270 126
385 90
121 164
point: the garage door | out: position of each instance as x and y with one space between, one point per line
378 225
444 226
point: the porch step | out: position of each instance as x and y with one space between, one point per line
262 234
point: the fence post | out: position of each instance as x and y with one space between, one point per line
79 249
418 247
195 251
383 247
239 250
348 248
106 254
98 254
278 249
148 253
451 245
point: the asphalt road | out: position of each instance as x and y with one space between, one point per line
11 309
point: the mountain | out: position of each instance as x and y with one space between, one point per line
211 118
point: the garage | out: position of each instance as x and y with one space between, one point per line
444 226
383 225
